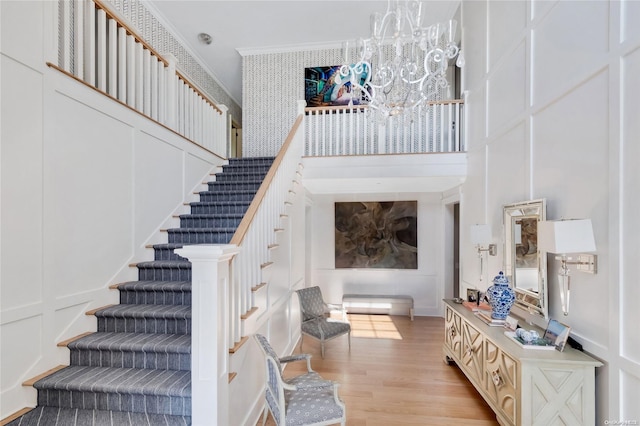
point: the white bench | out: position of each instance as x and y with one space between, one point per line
394 304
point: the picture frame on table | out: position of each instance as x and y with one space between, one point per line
473 295
557 333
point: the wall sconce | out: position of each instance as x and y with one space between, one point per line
480 235
568 236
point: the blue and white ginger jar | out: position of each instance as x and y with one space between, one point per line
501 297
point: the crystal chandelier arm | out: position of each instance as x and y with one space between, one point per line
406 62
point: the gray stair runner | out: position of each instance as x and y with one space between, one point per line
135 370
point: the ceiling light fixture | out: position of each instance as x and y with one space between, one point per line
205 38
403 64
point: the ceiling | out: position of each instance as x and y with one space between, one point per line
242 27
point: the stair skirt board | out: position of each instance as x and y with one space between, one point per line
136 369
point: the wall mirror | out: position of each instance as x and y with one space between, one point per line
524 265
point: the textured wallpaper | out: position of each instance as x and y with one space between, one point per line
272 86
162 41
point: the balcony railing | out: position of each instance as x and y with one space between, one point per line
100 49
344 130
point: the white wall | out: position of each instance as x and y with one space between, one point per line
425 284
553 113
86 184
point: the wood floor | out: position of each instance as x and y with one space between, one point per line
395 375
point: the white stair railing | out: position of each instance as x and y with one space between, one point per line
98 48
257 230
344 130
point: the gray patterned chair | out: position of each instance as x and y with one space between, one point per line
304 400
315 320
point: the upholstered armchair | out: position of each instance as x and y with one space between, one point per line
303 400
316 322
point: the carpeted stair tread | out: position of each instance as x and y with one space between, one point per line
142 342
221 203
119 380
146 311
223 192
201 230
182 264
55 416
181 286
201 235
209 215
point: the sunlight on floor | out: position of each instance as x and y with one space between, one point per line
374 327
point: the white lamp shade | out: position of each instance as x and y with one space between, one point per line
566 236
480 234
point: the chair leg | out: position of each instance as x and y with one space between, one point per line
349 334
265 414
301 337
322 349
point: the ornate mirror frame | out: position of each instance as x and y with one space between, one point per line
525 266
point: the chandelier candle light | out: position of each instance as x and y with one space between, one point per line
404 63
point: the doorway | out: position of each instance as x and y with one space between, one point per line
452 250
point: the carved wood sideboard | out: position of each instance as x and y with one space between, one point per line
523 386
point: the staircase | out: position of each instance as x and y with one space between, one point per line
135 370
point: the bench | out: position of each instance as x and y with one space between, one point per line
394 304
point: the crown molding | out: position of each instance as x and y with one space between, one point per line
266 50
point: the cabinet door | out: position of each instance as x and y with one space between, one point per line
472 352
501 380
555 392
453 332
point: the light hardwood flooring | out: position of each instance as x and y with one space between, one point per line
395 375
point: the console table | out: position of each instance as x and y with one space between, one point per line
523 386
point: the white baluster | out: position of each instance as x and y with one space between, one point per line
113 56
90 44
434 128
162 93
140 76
122 64
171 85
442 128
153 89
147 79
131 71
101 50
66 54
78 39
458 127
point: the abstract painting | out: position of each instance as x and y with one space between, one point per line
376 234
324 87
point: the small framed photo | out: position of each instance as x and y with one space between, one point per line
473 295
557 333
511 323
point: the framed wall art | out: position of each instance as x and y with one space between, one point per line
376 235
324 87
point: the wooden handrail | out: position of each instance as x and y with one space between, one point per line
124 104
195 89
446 102
240 233
365 106
100 5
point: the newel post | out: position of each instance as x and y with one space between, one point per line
210 278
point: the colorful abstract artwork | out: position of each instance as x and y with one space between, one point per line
376 234
324 87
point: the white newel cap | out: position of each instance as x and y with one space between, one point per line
208 252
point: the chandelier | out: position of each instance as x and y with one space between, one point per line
404 63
